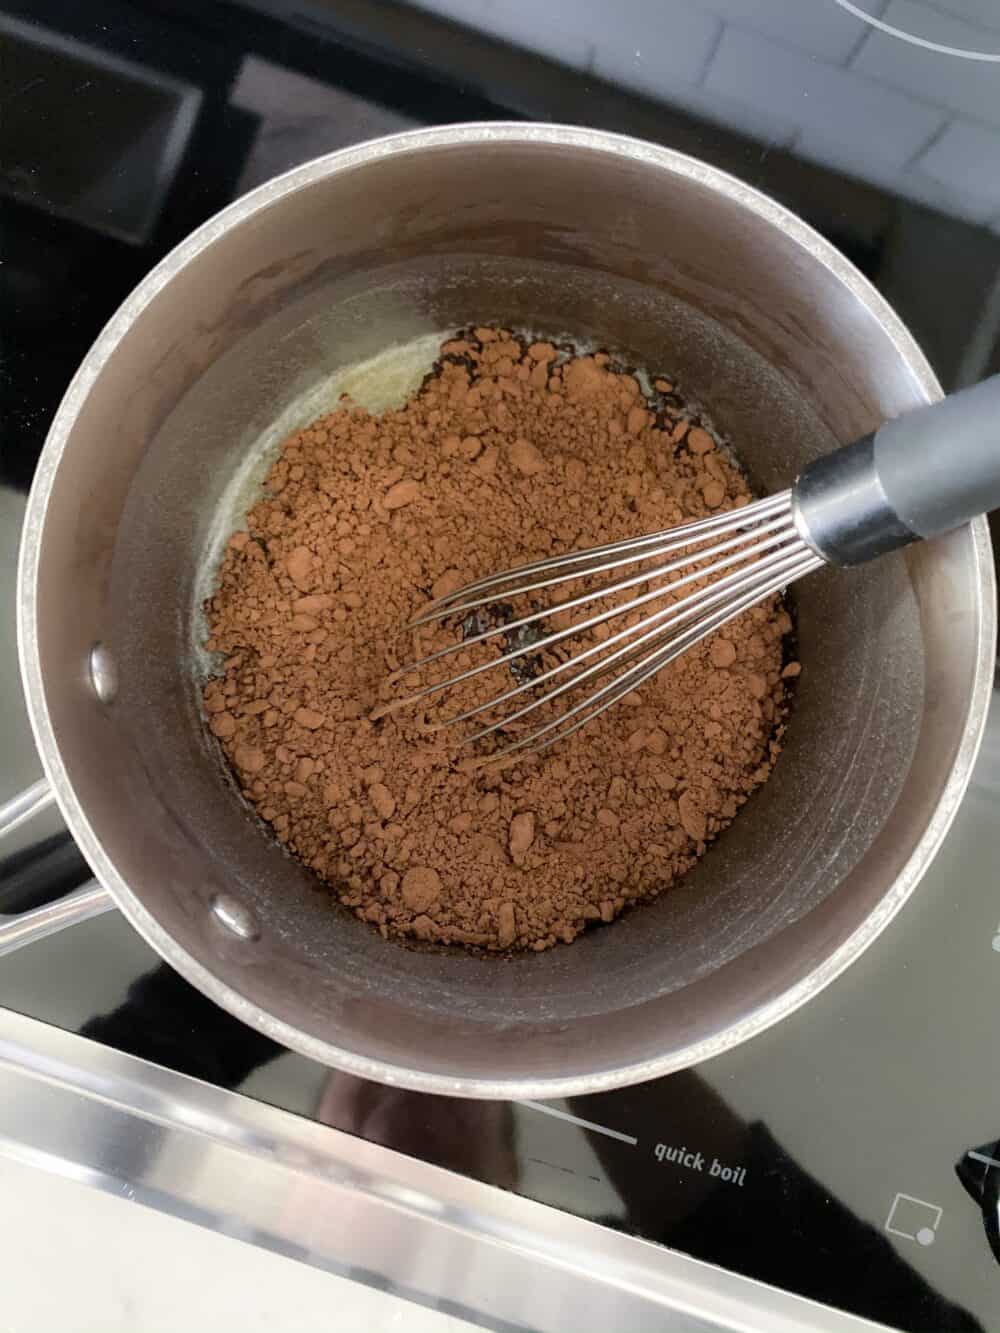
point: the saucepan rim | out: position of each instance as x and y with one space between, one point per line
765 210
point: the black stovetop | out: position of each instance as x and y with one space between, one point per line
845 1155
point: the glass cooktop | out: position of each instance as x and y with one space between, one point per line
852 1153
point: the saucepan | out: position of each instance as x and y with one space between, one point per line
567 232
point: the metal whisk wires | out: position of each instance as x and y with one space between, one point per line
684 583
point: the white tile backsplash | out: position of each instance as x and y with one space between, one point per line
904 181
823 29
801 72
966 158
554 31
968 86
984 12
745 118
647 45
652 46
840 105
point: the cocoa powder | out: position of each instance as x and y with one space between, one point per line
507 453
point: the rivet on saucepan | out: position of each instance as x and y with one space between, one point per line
103 673
234 917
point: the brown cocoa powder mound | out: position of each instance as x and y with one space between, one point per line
507 453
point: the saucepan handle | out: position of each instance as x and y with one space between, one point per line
88 900
25 805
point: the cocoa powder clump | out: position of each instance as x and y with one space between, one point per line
506 453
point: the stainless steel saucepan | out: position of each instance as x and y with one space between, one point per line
677 267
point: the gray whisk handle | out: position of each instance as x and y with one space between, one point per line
921 474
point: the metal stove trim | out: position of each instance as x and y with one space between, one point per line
316 1194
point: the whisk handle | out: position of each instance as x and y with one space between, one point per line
918 475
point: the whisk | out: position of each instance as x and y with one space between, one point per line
919 475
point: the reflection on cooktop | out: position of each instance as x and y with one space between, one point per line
705 1201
